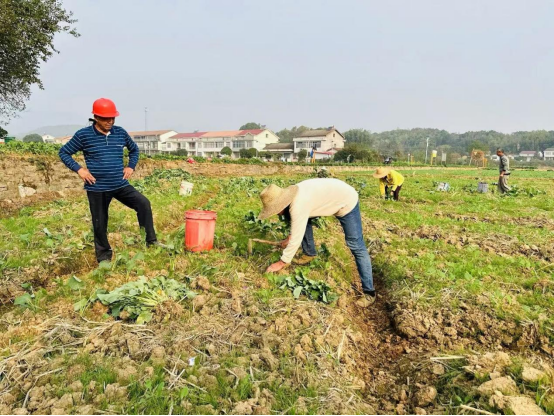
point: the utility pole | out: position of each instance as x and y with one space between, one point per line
426 149
145 119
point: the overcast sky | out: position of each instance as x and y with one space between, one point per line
216 64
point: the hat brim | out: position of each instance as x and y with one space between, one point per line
116 114
280 204
383 174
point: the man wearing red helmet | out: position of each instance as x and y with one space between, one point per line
105 177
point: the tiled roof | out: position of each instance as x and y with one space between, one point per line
188 135
148 133
279 146
253 131
314 133
224 133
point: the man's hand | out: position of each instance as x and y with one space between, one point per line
275 267
127 172
86 176
285 242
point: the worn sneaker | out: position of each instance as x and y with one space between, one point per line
305 259
366 300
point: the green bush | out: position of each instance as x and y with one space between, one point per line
34 148
33 138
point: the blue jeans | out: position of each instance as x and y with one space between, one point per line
308 243
352 226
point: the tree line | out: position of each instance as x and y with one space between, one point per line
401 142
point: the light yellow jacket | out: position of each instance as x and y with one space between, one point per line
319 197
393 179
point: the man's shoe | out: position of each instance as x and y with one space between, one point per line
366 300
305 259
156 244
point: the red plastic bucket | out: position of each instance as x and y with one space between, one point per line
199 230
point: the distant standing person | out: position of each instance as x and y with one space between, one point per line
105 177
390 181
504 168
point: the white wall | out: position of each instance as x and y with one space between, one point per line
321 139
336 141
320 156
264 138
165 136
48 138
327 141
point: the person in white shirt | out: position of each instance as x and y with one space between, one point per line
319 198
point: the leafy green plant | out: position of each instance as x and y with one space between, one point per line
320 222
275 228
30 299
34 148
74 283
358 184
175 241
299 284
131 263
321 172
158 175
139 298
530 192
236 185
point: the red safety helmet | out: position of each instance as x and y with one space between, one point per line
104 107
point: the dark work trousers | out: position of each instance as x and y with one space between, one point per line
395 194
99 203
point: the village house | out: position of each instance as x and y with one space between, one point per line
326 142
186 141
549 153
47 138
154 141
210 143
527 155
283 151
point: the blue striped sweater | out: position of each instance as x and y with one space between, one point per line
103 156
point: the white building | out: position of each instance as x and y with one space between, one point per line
47 138
210 143
154 141
285 151
62 139
325 140
549 153
185 141
527 154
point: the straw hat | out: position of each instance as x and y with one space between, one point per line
276 199
381 172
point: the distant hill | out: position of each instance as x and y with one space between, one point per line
56 131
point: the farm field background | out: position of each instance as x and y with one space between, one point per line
464 282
